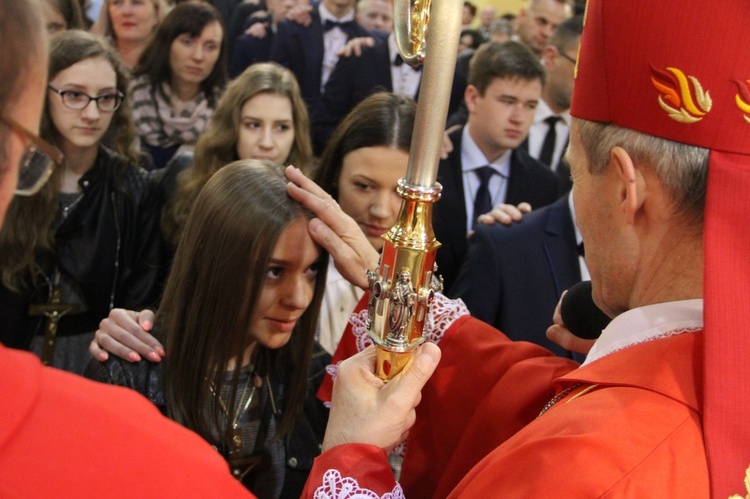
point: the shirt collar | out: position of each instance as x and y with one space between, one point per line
543 112
326 14
392 47
579 238
648 323
393 52
473 158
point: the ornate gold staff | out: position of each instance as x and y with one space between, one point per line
403 289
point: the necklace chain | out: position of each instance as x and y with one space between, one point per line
239 463
250 378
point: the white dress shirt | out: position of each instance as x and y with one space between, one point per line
538 131
333 41
339 301
405 78
471 159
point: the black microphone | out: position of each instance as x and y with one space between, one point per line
579 313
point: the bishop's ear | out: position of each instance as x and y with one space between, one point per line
631 182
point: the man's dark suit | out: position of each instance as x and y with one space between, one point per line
529 181
353 79
300 48
514 275
562 171
248 50
242 17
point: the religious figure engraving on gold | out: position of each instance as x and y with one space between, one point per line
401 307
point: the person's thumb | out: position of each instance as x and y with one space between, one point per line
414 377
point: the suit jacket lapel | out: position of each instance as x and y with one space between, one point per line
560 246
516 191
382 66
312 38
452 207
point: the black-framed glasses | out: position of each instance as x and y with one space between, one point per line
37 162
77 100
566 56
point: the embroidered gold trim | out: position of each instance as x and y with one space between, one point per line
582 392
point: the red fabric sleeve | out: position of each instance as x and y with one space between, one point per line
485 389
350 470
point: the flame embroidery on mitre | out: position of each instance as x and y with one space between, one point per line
742 99
682 97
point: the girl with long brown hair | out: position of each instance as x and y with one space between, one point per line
238 318
88 241
260 116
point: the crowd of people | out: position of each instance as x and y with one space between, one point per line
211 179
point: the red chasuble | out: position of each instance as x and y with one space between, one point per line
629 424
64 436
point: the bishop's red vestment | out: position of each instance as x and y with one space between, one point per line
626 424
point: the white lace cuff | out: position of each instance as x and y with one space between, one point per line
443 313
336 486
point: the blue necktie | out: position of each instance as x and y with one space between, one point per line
483 200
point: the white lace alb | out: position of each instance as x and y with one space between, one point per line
336 486
443 313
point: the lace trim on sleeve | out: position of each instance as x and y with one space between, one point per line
443 313
336 486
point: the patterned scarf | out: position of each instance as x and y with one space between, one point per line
158 125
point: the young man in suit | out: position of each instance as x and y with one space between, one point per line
253 43
311 51
378 68
486 167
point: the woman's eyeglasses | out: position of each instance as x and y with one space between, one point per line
37 161
74 99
